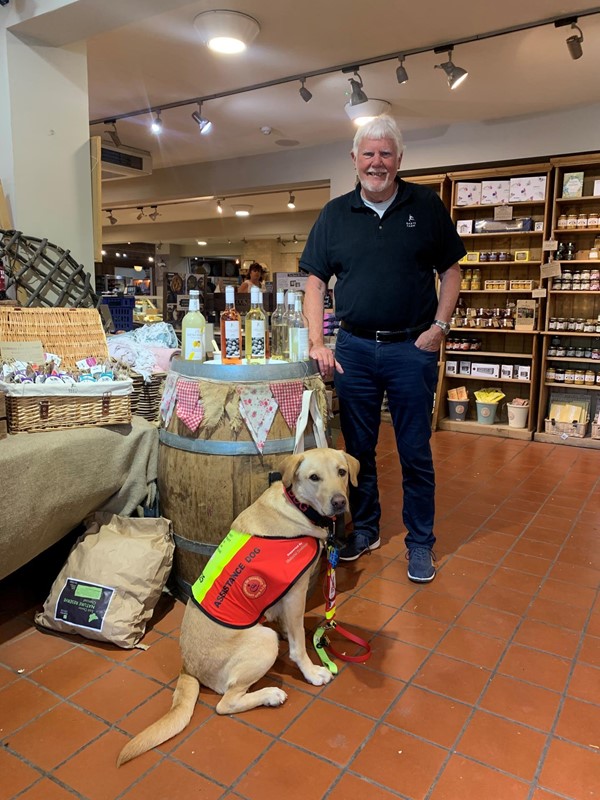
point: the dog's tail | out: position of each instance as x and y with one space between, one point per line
173 722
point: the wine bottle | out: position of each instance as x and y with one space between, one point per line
288 314
193 329
256 334
278 330
298 333
231 330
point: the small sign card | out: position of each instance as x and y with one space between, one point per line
31 352
503 212
550 270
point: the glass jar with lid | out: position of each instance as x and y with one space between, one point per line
592 219
569 375
562 221
571 220
589 377
559 375
579 377
582 220
579 351
550 374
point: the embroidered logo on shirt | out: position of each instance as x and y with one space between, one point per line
410 222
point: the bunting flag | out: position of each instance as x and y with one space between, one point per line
167 403
189 406
258 408
289 399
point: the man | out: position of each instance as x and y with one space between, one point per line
383 242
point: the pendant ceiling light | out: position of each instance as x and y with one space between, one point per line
366 111
226 31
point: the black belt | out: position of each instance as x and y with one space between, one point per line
384 336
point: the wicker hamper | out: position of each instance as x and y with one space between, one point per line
74 334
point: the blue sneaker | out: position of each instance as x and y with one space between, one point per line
420 564
356 545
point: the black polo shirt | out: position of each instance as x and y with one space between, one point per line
384 266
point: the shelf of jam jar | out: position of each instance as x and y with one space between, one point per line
492 353
585 386
572 200
569 231
576 263
508 291
476 330
574 359
579 334
506 234
481 378
573 291
478 264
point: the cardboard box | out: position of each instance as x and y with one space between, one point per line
467 194
596 188
464 226
464 368
495 192
506 371
527 189
524 373
451 367
485 370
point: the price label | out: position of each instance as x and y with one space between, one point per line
503 212
549 245
550 270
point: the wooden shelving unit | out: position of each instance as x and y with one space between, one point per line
502 346
571 304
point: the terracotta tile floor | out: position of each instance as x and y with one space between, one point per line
484 685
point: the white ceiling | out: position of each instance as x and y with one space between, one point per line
159 60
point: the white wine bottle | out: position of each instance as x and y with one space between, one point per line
193 327
256 332
288 314
298 333
279 332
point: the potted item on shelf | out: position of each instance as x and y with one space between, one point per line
518 411
487 401
458 403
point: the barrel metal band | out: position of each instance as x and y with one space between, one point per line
191 546
215 447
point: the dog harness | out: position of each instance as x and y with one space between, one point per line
247 574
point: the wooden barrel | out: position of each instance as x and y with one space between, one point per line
205 479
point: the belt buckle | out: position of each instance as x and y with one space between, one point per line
382 336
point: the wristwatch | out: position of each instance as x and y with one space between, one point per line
445 326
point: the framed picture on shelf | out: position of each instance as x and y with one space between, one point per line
572 184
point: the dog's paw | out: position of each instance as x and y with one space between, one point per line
318 676
276 697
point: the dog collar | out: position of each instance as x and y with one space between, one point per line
313 516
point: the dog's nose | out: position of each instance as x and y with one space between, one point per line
338 502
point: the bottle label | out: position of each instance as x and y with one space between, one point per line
257 333
303 344
232 339
193 344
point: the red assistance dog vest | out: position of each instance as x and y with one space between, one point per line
247 574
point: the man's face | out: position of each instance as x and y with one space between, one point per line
377 162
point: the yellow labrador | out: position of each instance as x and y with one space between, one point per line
227 659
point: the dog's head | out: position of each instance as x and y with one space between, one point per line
320 477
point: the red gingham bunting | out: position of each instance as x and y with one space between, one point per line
289 399
190 409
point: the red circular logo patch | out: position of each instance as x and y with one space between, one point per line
254 586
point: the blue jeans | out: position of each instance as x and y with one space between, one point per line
408 375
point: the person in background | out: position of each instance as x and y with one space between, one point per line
255 278
385 241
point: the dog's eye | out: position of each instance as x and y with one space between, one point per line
342 472
314 477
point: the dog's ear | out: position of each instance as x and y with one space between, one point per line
289 466
353 468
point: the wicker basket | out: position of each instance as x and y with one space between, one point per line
72 333
574 429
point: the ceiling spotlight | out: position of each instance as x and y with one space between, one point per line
456 75
138 268
304 92
103 252
219 207
141 214
111 218
574 43
151 259
295 239
292 201
366 111
202 243
226 31
154 213
401 73
242 210
156 126
203 124
358 96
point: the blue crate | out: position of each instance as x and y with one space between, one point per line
121 311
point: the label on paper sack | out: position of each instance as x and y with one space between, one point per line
83 604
